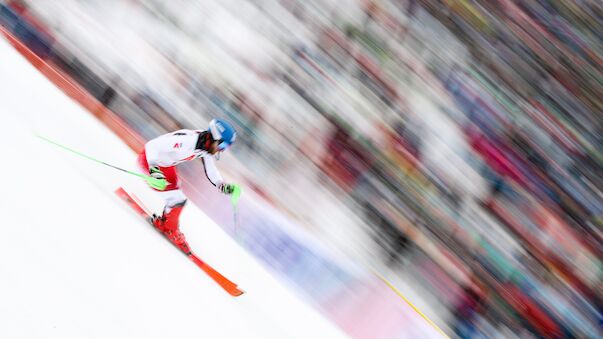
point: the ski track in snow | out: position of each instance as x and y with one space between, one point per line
76 262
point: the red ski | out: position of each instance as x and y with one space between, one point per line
230 287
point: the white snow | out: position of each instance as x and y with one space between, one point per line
76 262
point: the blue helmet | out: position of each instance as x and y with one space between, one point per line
223 132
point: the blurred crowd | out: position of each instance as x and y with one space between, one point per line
463 138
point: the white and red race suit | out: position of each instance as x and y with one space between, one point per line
171 149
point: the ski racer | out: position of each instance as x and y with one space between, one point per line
160 157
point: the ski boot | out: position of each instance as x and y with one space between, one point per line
167 224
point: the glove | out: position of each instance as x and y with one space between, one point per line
227 188
156 173
157 179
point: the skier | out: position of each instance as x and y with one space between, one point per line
160 157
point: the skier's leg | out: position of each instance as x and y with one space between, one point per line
168 222
174 203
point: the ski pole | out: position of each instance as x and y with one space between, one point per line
149 179
234 199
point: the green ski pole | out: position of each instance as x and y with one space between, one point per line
234 199
160 184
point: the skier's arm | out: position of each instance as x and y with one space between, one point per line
211 171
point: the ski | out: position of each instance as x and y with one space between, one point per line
230 287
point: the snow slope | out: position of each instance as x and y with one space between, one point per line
75 262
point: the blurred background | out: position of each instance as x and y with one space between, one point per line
454 144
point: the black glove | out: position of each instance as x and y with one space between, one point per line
156 173
156 179
227 188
